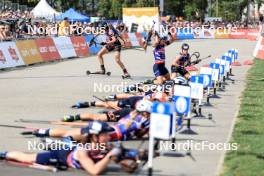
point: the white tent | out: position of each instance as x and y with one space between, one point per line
44 10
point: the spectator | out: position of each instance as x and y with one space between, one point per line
64 27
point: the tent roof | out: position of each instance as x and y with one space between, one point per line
73 15
43 9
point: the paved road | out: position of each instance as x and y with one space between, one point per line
47 91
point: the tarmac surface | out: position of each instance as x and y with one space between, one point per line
46 92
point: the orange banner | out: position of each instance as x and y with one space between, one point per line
29 51
221 34
47 49
80 46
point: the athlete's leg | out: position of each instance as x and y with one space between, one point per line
100 117
100 54
167 77
119 62
159 80
21 156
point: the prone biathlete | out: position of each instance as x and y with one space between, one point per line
112 44
134 125
93 160
109 116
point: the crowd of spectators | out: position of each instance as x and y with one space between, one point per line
16 24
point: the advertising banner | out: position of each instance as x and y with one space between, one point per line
238 34
29 51
144 17
9 55
259 49
126 38
80 46
47 49
64 46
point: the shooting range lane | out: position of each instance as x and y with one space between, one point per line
46 92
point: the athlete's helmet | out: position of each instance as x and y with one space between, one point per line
144 106
185 46
160 96
180 80
97 127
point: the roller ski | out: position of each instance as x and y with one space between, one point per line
98 73
126 76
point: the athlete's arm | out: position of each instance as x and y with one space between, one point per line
175 61
113 40
89 166
156 41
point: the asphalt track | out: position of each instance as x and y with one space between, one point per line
45 92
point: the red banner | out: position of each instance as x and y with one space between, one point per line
80 46
47 49
128 43
139 38
238 34
252 34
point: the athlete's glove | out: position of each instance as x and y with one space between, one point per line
128 165
103 43
116 151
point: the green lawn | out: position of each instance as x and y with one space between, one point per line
248 160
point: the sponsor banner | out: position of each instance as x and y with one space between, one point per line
93 49
47 49
253 34
144 17
221 34
186 33
9 55
126 38
203 33
80 46
64 46
139 38
133 39
29 51
259 49
238 34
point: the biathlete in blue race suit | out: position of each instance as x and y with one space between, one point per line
160 71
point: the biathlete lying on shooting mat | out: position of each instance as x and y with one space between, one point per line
129 102
93 159
134 125
114 116
112 44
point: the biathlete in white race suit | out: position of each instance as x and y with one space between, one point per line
112 44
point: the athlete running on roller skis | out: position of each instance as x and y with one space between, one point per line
112 44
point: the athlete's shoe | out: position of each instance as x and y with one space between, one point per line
148 81
68 118
3 155
81 105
